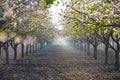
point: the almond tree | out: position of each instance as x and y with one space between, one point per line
14 20
101 14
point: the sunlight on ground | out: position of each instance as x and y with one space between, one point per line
60 41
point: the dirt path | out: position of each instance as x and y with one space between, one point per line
57 63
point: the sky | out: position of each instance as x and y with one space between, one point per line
56 18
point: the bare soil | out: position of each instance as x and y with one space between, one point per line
58 63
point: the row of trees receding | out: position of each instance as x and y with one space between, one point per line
25 23
92 22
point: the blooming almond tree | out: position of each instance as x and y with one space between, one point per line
16 24
98 16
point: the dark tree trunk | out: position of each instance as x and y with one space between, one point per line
106 54
0 48
30 51
117 60
7 52
27 47
88 48
95 52
41 44
33 47
22 50
81 45
7 55
14 47
84 46
15 52
36 46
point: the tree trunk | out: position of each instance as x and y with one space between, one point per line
0 50
27 47
117 60
95 53
7 53
81 45
84 46
33 47
88 48
41 45
106 54
36 46
30 51
22 50
15 52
